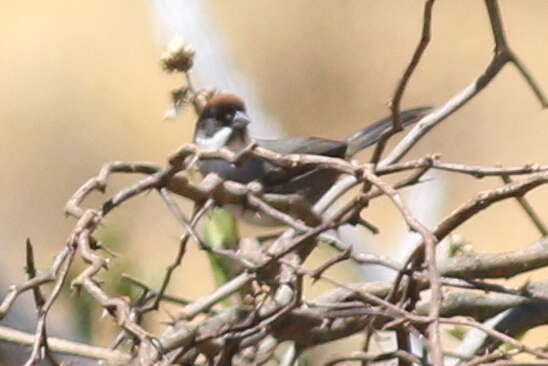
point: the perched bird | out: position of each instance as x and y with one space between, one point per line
223 123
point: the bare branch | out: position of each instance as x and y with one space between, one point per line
66 347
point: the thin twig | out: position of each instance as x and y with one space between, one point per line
529 211
182 243
430 242
502 55
402 84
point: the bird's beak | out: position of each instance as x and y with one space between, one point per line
241 120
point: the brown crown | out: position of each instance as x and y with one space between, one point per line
226 101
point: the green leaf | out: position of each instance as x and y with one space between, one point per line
221 232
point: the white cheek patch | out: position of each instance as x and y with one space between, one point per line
217 141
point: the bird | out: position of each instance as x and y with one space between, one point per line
223 123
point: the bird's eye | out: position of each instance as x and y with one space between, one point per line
229 116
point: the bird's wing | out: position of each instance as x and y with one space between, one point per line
372 134
299 145
306 145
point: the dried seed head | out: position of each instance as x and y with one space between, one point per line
178 56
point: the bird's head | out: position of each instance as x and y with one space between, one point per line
222 122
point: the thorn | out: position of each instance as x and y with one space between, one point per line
524 288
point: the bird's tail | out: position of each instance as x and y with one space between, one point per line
372 133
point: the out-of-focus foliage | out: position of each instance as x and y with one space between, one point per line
221 232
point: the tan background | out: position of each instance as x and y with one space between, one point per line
81 85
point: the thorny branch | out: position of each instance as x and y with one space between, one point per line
426 292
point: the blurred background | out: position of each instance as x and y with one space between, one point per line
82 85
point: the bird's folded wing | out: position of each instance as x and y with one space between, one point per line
299 145
306 145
